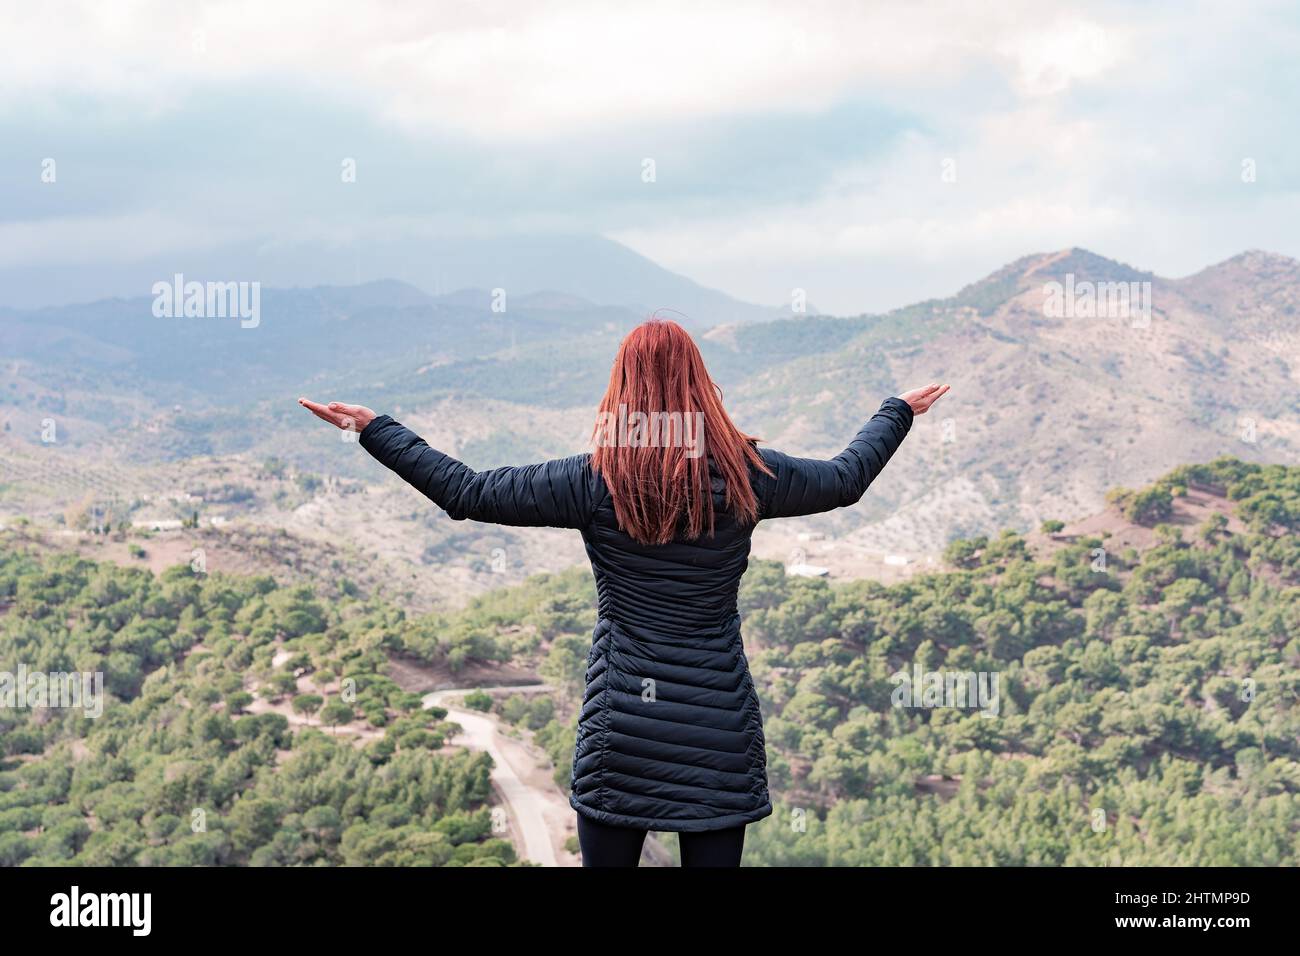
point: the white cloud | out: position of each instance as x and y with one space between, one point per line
1049 59
1117 127
1023 184
512 70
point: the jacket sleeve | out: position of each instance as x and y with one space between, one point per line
555 494
804 486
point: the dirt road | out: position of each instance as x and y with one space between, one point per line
538 809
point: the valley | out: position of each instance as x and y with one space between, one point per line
168 422
1147 708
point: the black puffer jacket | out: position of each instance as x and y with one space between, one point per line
670 736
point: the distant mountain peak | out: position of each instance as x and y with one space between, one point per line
1034 271
1083 265
593 268
1253 265
1257 263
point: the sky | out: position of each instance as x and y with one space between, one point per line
872 155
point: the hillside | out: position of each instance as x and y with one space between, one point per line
1145 707
1047 411
241 724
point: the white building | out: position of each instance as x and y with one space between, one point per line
806 571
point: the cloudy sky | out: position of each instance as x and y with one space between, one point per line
871 154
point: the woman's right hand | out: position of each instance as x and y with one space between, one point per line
351 418
920 399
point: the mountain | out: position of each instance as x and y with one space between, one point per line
296 334
599 270
1058 394
1048 410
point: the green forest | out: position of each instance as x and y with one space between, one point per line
1146 712
178 771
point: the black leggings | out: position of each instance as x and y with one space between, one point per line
605 845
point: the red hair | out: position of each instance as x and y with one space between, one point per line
660 482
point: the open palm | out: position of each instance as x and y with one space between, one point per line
920 399
352 418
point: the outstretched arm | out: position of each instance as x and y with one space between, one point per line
549 494
804 486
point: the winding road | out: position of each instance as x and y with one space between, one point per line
528 805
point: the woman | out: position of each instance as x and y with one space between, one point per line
669 735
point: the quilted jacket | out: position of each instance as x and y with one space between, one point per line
670 736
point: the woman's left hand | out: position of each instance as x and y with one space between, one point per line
352 418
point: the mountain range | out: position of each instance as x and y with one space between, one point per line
1048 409
593 268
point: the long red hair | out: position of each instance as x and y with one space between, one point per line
658 471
